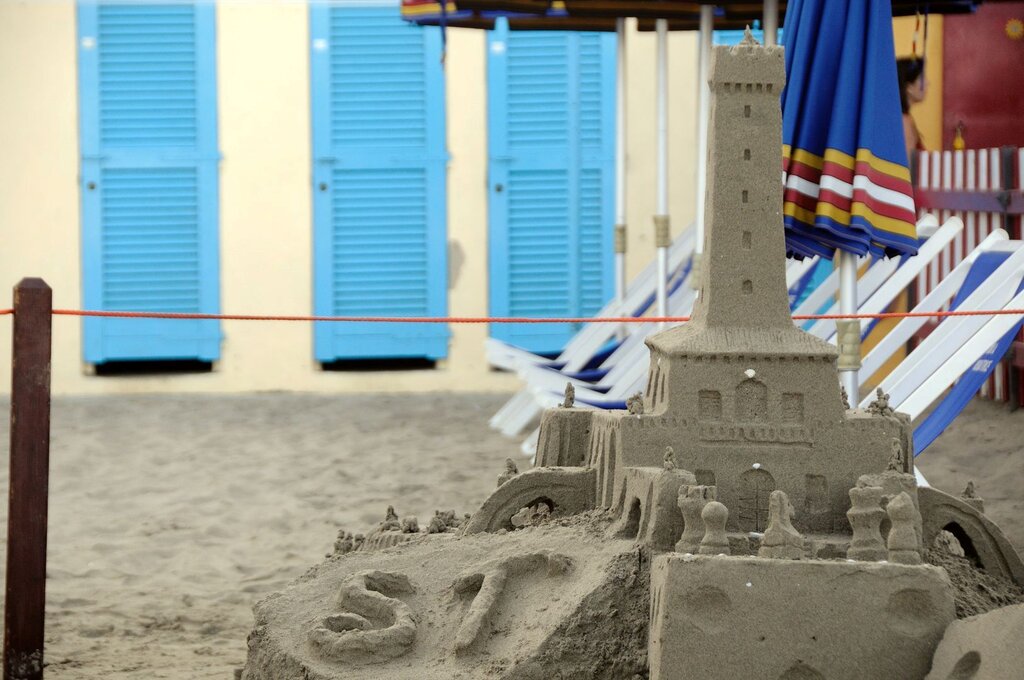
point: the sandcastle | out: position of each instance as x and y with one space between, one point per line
739 520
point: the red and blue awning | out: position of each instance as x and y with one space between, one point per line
847 184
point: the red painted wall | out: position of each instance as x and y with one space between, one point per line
983 77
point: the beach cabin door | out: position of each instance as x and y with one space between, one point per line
551 137
379 205
148 131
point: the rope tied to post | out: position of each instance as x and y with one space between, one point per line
938 314
512 319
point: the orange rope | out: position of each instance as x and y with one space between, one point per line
499 320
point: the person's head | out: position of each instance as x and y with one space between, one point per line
912 82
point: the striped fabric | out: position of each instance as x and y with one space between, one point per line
847 182
415 10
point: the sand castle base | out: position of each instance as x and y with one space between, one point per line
538 603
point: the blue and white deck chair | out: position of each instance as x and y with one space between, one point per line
590 339
994 274
936 299
617 372
992 281
933 241
967 370
509 416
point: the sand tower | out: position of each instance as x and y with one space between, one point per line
747 401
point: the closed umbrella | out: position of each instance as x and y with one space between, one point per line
847 184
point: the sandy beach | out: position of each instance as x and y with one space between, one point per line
171 516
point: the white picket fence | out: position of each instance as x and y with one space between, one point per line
969 170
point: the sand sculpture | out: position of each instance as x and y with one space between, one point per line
737 520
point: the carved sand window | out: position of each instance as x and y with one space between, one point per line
746 111
751 401
748 238
746 154
748 287
817 510
792 408
709 405
705 477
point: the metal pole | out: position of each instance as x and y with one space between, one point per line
848 331
29 480
771 22
620 163
661 222
707 19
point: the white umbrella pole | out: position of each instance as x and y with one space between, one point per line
848 334
707 19
620 162
771 22
661 224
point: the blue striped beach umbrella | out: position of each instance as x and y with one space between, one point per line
847 182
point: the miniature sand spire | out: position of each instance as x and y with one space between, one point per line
781 540
896 462
903 543
748 37
715 541
865 516
691 502
970 496
635 404
510 471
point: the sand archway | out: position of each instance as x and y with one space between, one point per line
751 401
980 538
568 489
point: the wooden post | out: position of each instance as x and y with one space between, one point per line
29 478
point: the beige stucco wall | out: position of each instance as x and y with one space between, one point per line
266 229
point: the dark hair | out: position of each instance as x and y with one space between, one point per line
908 69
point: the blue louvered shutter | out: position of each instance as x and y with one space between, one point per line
379 182
551 125
148 139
